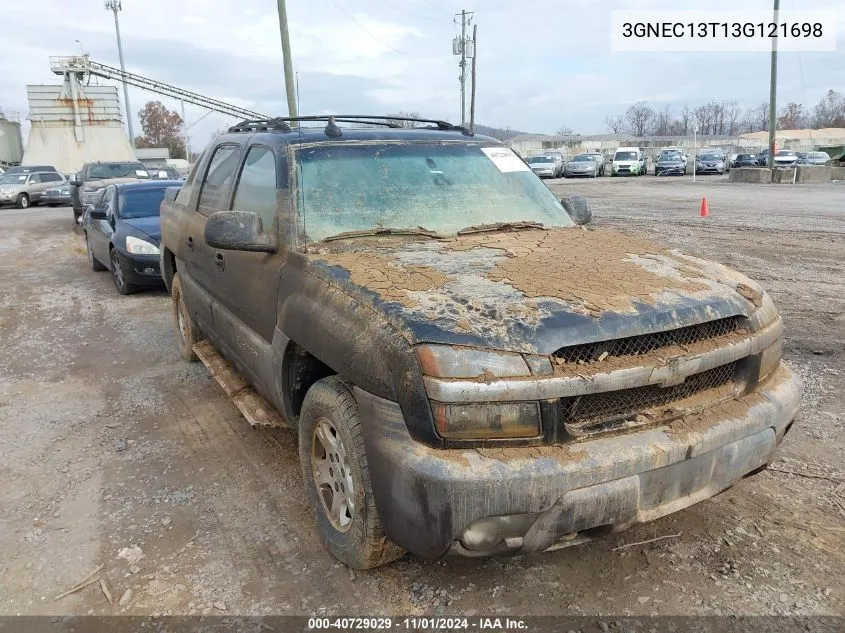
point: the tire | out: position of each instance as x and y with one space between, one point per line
95 264
22 202
578 209
355 535
119 276
187 330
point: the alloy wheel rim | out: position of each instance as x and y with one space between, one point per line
332 475
116 271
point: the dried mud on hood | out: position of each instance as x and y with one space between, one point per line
504 289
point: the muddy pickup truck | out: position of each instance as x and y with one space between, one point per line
468 370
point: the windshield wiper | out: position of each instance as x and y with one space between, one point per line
383 231
501 226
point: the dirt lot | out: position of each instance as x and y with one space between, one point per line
116 452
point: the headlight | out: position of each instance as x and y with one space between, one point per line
140 247
487 421
444 361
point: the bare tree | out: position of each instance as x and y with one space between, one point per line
792 117
409 115
615 125
565 131
685 120
732 117
638 117
663 122
830 111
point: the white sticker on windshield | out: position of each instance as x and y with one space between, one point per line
141 172
505 159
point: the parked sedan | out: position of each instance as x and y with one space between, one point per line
582 165
710 164
122 233
24 189
57 196
670 162
813 158
745 160
545 166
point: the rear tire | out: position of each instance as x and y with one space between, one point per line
187 330
337 480
22 202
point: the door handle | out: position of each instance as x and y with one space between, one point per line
219 260
190 242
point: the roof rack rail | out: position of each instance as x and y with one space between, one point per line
283 123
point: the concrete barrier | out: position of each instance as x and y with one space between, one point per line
837 173
784 176
750 174
813 173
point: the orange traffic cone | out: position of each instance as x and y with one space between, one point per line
705 212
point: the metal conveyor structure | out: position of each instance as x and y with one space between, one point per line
83 65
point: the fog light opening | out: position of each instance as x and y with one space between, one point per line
487 534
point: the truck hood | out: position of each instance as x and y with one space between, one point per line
532 291
93 185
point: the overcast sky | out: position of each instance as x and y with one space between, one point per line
541 64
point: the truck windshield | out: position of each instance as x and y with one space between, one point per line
105 171
442 187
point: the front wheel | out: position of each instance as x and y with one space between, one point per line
119 275
22 201
186 328
337 479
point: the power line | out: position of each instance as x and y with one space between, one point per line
373 36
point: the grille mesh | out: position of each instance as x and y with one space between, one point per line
644 343
609 410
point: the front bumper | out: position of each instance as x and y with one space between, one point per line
670 170
63 201
428 497
140 270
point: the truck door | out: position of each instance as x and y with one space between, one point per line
245 283
215 190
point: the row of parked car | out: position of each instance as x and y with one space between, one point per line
672 161
30 185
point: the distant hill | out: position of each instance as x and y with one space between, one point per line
497 132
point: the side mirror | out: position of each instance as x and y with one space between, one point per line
578 209
95 213
74 179
238 231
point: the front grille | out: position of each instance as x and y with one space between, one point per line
645 343
613 410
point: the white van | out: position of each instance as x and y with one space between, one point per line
628 161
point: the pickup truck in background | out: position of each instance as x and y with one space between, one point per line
468 371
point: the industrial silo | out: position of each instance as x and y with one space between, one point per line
11 147
74 123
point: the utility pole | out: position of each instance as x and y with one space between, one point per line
472 94
286 59
459 47
114 6
773 92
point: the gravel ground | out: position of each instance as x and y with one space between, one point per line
117 453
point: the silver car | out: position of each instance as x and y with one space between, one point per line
582 165
813 158
546 166
26 189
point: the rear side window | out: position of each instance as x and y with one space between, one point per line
256 190
218 179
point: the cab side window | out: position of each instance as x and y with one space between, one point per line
256 188
34 179
218 179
